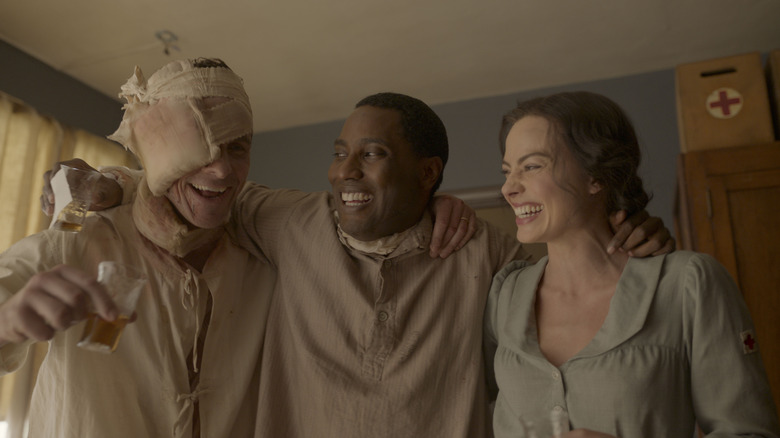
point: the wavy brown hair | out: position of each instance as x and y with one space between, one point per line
599 135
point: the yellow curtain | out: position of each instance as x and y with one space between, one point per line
29 145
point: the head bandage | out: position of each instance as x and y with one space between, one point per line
170 126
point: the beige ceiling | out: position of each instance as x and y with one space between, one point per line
308 61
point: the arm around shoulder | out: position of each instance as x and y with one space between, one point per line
261 215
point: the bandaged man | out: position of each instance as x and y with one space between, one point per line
187 366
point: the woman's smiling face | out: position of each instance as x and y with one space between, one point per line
545 185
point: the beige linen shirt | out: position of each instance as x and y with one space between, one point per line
143 389
360 345
674 350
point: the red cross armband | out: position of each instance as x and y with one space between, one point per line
749 343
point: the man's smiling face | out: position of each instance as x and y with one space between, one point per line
376 176
204 197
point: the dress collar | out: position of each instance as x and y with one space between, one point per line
628 308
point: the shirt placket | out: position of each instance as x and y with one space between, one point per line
190 301
558 409
382 337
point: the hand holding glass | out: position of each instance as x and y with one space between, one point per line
124 284
73 189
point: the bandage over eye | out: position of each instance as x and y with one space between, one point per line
171 126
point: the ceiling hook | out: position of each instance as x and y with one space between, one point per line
168 39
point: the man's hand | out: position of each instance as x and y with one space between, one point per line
640 235
52 301
455 224
107 193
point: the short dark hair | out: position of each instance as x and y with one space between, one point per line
209 62
600 136
422 128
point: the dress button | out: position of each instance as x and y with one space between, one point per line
382 316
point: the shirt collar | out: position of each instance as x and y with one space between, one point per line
416 237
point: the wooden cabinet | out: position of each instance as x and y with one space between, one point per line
728 206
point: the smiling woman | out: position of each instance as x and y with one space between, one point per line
612 345
29 143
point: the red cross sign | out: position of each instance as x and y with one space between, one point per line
749 343
724 103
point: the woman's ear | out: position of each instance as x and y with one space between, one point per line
594 187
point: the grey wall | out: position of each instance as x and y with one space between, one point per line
55 94
299 157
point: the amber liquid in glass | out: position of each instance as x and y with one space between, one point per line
75 209
102 336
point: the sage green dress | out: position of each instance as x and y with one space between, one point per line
676 348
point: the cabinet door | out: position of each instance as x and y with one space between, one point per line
730 208
745 226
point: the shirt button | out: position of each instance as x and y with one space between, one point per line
383 316
388 263
557 409
556 375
